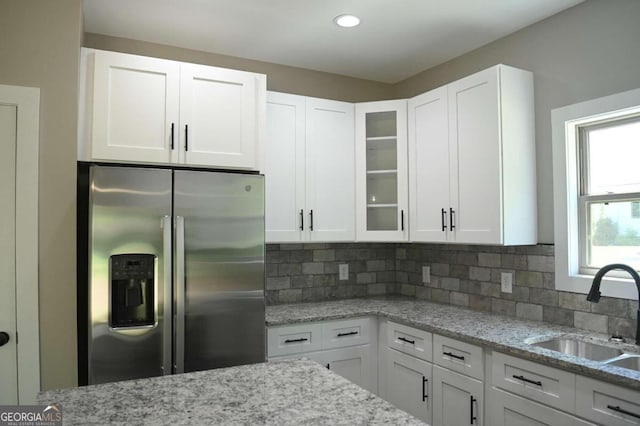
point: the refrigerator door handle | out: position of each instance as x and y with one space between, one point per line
166 296
180 296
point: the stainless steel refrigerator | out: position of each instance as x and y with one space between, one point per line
174 275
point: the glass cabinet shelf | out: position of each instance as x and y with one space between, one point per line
382 172
387 139
378 205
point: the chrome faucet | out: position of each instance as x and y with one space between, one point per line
594 293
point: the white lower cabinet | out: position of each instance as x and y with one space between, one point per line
441 380
507 409
537 382
607 404
457 399
408 383
346 347
354 363
528 393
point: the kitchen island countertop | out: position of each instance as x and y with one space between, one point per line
295 392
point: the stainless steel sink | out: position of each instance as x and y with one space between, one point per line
632 362
579 348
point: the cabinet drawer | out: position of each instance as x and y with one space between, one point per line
294 339
506 409
458 356
351 332
607 404
409 340
538 382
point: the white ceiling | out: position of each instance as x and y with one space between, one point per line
395 40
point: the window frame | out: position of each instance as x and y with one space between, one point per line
568 224
585 198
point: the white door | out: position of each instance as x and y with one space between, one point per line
330 175
218 117
8 352
429 167
135 108
474 132
284 169
457 399
19 140
408 384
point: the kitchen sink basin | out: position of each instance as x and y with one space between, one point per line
632 362
579 348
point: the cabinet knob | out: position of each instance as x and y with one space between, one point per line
4 338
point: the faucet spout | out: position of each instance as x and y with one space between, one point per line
594 292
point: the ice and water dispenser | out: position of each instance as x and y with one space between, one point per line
132 290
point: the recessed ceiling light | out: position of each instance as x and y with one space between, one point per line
346 21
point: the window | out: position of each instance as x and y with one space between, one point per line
596 174
609 187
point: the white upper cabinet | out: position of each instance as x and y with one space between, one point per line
429 166
284 168
472 167
329 170
381 171
309 172
135 108
148 110
218 115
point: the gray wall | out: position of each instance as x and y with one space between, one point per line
585 52
39 46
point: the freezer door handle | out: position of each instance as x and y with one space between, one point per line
180 296
167 316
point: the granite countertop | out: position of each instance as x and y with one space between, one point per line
294 392
498 332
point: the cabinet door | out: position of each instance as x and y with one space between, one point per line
354 364
218 117
475 158
457 399
330 208
284 168
381 171
607 404
506 409
408 384
135 108
429 167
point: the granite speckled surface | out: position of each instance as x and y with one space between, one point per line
505 334
298 392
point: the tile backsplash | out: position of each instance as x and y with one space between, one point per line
463 275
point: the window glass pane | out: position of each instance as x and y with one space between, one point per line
614 158
614 234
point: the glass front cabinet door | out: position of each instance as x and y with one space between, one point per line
381 171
